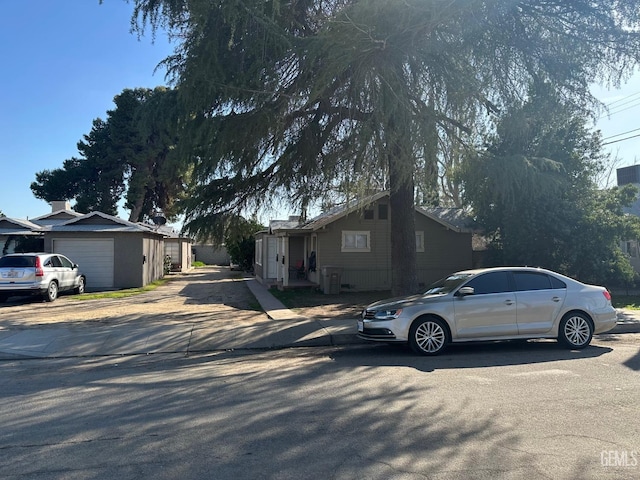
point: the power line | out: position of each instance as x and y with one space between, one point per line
618 110
620 134
622 99
621 140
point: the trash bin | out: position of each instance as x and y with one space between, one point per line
331 279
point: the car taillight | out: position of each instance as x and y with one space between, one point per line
607 295
39 271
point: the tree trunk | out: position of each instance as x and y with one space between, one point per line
404 277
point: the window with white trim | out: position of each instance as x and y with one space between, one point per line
356 241
419 241
259 252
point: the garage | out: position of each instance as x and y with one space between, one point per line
94 256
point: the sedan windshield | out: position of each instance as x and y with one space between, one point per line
447 284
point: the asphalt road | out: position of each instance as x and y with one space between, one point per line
508 410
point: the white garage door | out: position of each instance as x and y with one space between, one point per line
95 258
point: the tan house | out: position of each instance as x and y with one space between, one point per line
349 248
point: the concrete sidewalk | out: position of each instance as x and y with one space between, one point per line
282 329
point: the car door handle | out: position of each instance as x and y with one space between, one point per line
508 302
556 299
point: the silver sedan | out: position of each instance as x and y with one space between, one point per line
501 303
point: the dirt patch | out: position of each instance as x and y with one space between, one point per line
198 296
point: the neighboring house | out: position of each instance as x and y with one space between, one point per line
631 175
113 253
20 235
354 243
178 248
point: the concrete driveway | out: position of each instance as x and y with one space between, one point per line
207 309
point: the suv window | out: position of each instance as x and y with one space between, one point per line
65 262
493 282
17 262
55 261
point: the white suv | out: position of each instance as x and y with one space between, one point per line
43 274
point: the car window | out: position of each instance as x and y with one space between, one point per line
493 282
556 283
65 262
17 262
531 281
445 285
55 261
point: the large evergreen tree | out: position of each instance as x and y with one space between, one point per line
132 155
533 189
287 96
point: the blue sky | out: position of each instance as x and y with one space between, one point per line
63 61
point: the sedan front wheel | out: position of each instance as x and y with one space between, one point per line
575 330
428 336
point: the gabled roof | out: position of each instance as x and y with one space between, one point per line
337 213
100 222
56 218
14 226
452 218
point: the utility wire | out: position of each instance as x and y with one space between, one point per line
615 110
621 140
622 99
620 134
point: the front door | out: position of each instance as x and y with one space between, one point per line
282 265
272 257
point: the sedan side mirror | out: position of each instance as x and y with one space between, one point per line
464 291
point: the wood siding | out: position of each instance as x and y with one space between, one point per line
446 251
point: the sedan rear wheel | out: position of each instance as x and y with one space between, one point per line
428 336
52 292
575 330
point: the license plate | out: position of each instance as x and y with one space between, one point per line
360 326
12 274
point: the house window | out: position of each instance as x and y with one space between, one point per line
383 211
368 214
259 252
419 241
353 241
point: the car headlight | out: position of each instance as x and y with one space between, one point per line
387 314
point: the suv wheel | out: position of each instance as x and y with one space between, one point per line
81 285
52 292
